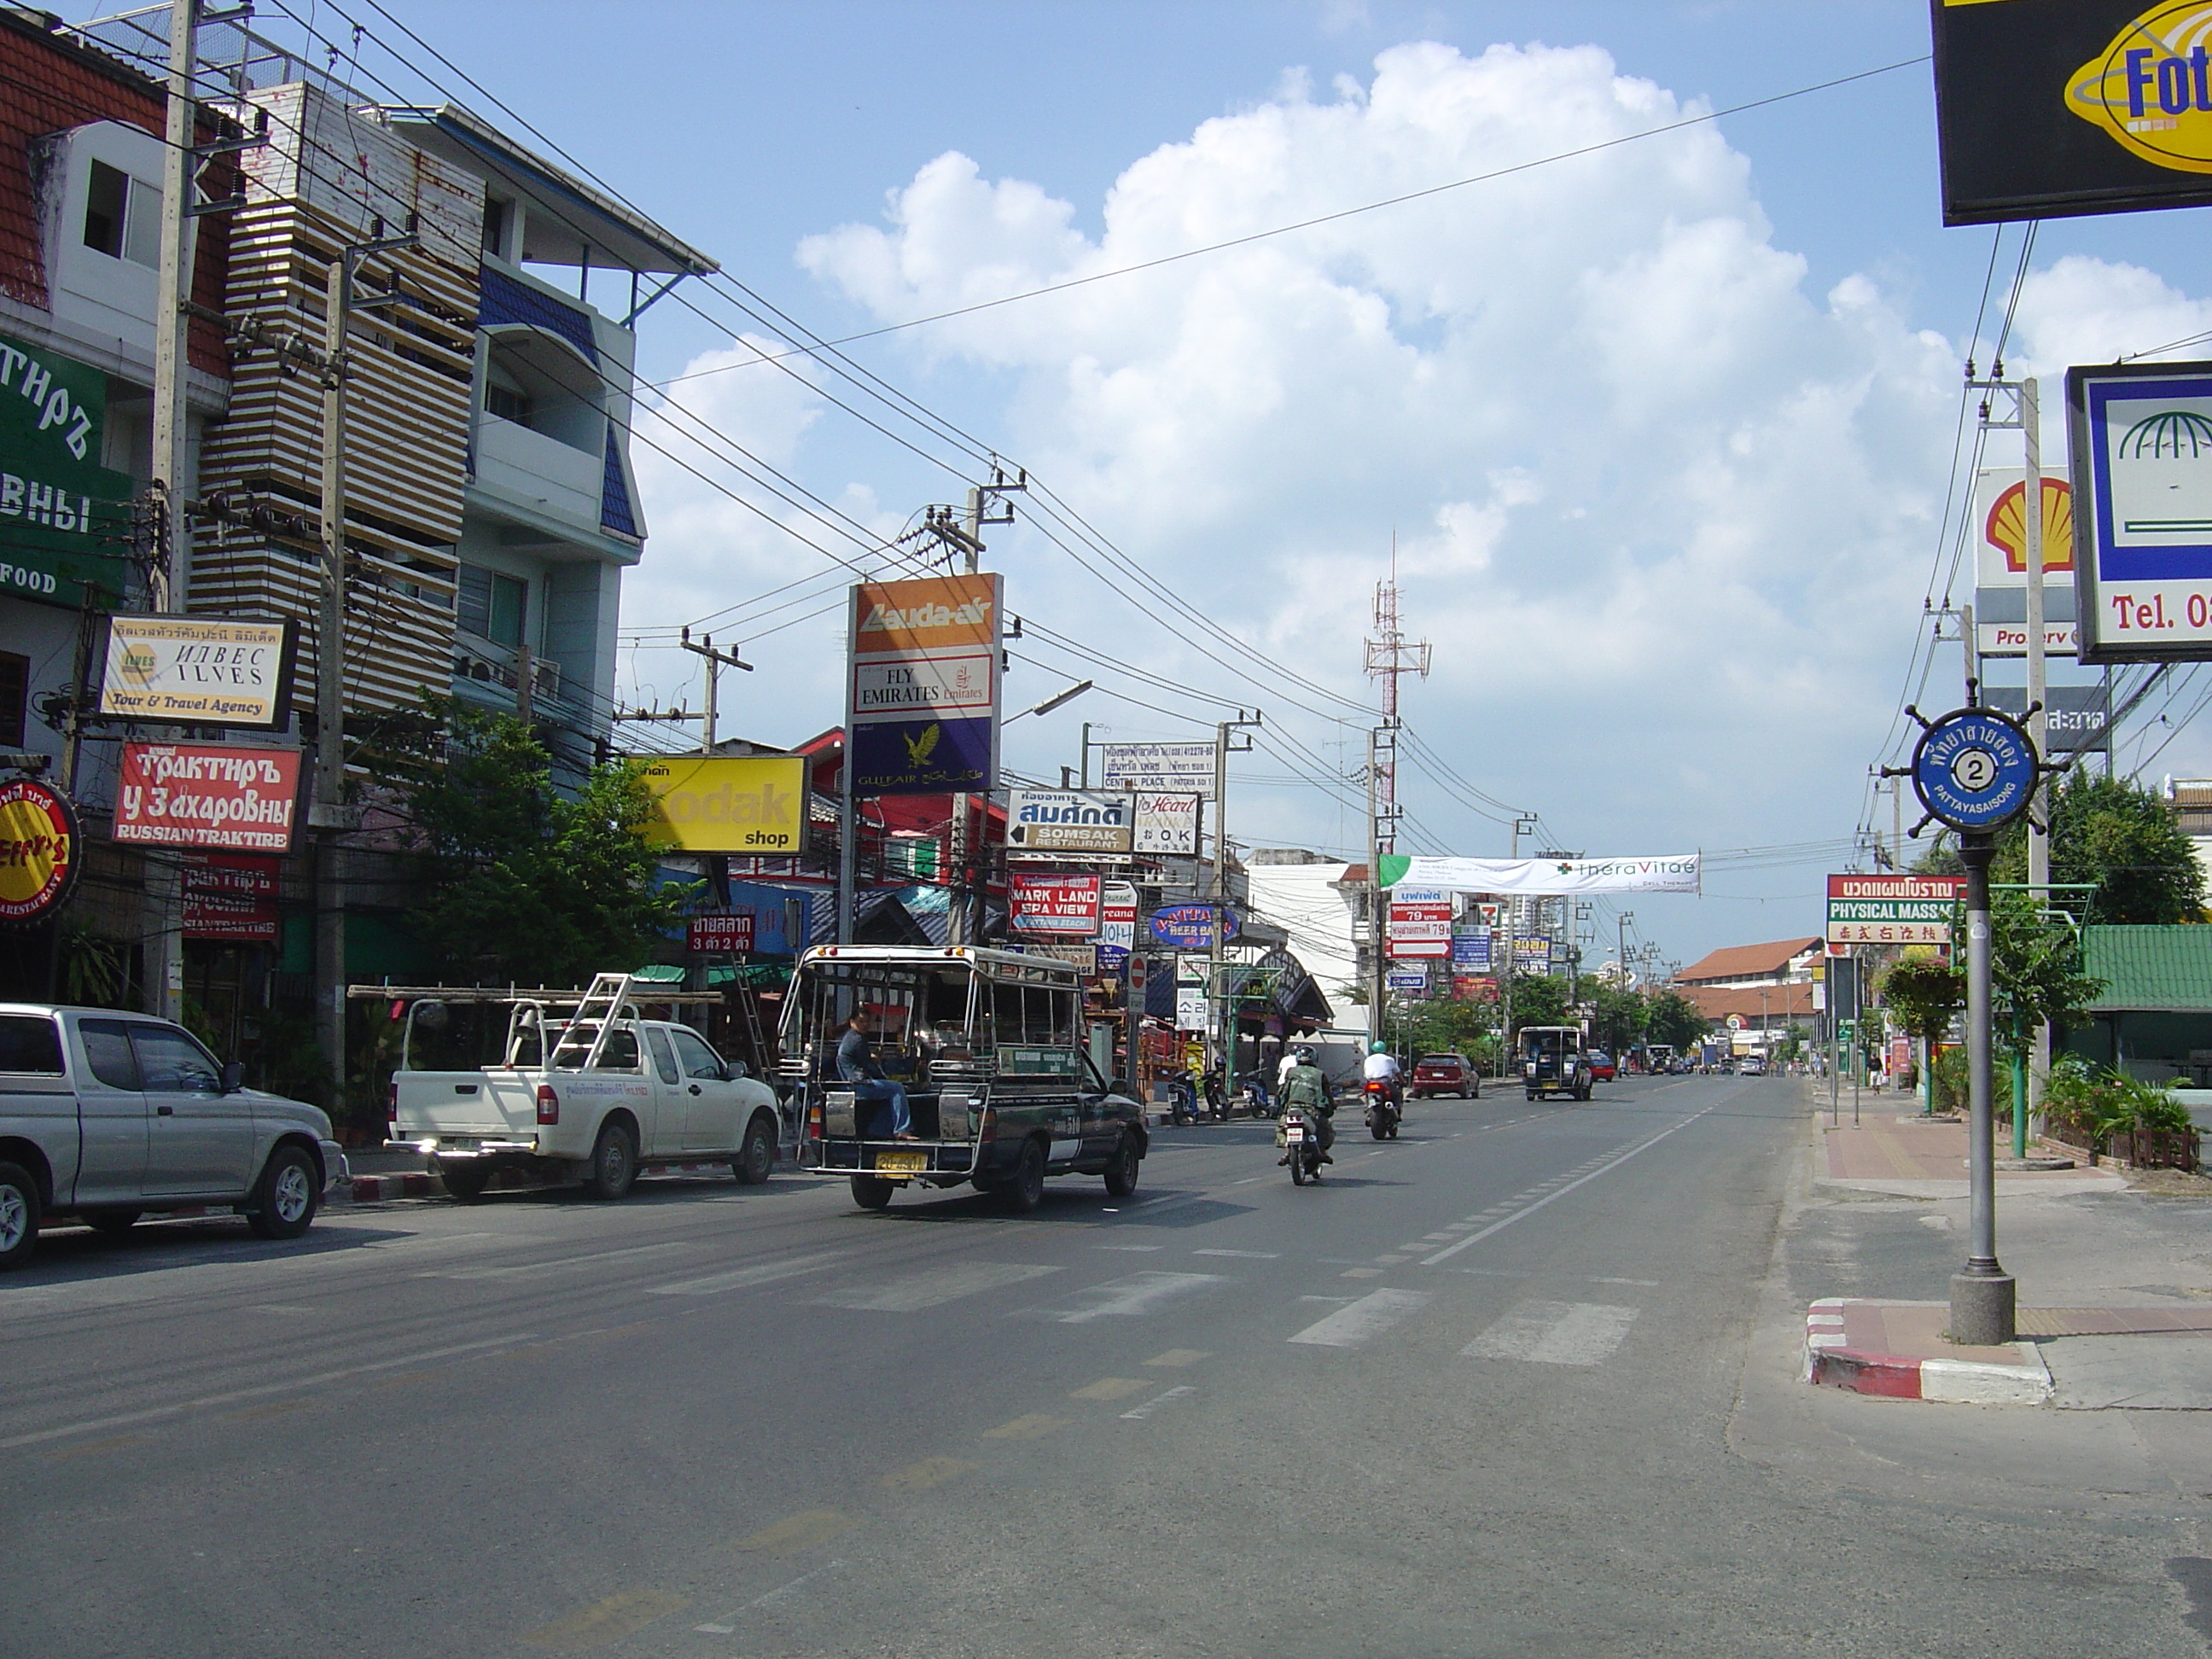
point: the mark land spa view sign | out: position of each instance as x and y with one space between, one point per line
176 794
198 671
1065 904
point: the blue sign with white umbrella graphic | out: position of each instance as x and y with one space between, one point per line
1975 770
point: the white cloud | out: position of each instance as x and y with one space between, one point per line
1667 515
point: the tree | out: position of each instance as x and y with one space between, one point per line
2120 836
1673 1019
1538 1001
1619 1018
2035 976
1922 993
520 882
1447 1027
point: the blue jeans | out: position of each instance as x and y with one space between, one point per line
884 1088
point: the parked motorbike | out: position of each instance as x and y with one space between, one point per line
1182 1098
1259 1099
1217 1098
1382 1108
1298 1132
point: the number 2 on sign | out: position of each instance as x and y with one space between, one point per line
1974 771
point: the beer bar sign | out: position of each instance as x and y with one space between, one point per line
1893 909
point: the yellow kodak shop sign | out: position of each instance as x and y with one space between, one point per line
729 804
2151 87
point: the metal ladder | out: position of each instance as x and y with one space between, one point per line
604 1002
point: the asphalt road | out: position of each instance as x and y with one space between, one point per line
1472 1395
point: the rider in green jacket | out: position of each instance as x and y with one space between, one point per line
1308 1089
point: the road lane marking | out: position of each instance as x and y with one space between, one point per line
535 1269
1111 1388
1136 1295
1352 1326
931 1289
1554 1334
1031 1425
765 1273
1138 1413
236 1395
1649 1283
113 1443
1362 1272
1392 1261
930 1472
728 1625
1175 1357
1131 1247
1249 1255
805 1531
1450 1250
255 1413
611 1620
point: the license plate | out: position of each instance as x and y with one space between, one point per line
1294 1134
902 1163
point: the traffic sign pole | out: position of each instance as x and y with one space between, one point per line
1983 1297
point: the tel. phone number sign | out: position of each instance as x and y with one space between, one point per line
1974 769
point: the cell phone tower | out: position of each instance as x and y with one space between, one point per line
1390 654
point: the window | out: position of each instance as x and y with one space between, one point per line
495 215
490 604
618 1052
507 403
699 1060
14 696
107 1052
171 1063
663 1057
122 216
30 1044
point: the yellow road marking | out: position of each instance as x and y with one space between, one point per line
930 1472
619 1615
1034 1426
113 1443
1111 1388
799 1531
1179 1357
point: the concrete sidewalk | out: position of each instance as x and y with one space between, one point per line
2115 1284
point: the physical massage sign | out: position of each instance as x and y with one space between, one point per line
38 849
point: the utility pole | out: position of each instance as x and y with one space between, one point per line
1389 655
716 662
1523 825
328 814
1217 988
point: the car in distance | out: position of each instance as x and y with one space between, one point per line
105 1115
1601 1068
1445 1074
1752 1066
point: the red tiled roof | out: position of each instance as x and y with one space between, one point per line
1717 1002
1746 961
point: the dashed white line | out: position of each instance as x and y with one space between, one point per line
1370 1316
1555 1334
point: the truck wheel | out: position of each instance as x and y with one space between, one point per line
19 1215
464 1185
1122 1173
756 1157
872 1191
614 1162
285 1199
113 1223
1026 1190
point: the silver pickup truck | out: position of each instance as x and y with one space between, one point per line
106 1114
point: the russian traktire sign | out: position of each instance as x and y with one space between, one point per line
182 795
2051 107
2141 440
38 849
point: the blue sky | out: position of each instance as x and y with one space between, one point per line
1664 434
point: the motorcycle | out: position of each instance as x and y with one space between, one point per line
1382 1108
1217 1102
1182 1098
1298 1132
1259 1099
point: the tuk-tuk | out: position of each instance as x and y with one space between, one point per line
1001 1088
1552 1062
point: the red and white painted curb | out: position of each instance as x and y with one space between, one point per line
1831 1361
381 1188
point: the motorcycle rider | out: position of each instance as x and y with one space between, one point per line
1306 1087
1381 1065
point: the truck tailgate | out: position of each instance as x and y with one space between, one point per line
500 1104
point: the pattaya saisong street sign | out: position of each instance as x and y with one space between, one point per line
1975 770
2141 442
1893 909
2051 107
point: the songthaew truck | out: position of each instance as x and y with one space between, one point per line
569 1086
987 1049
1552 1062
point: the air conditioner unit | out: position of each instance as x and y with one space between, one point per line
545 681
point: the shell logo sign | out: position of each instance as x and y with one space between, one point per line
2151 88
2005 525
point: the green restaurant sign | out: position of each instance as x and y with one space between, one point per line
65 519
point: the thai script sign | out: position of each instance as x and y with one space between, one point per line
38 849
720 935
728 803
198 671
1183 769
1420 922
1057 903
1059 821
183 794
1893 909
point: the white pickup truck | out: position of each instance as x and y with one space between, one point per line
614 1092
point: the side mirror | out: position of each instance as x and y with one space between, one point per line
734 1069
234 1077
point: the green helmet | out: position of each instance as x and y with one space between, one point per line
1378 1046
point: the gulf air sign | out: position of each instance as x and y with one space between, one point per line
2047 108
